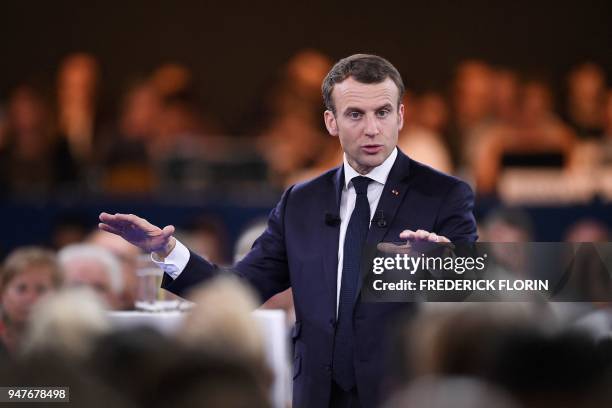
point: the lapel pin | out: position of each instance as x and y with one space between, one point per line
395 192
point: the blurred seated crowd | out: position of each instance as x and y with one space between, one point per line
160 139
55 330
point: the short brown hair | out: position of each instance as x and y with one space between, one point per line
22 258
364 68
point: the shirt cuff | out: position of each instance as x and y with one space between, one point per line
175 262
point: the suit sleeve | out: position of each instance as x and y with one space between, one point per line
265 267
456 218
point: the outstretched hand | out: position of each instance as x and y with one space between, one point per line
139 232
422 235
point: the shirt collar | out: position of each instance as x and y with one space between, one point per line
378 174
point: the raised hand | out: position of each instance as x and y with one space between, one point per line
139 232
422 235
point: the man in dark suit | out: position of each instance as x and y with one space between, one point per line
317 232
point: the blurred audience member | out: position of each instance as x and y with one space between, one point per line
292 144
472 108
31 162
587 276
282 300
585 100
171 79
190 161
125 156
221 322
295 138
543 369
174 83
58 371
132 360
207 236
507 225
221 326
432 112
127 254
536 139
136 363
588 230
504 114
205 380
505 96
94 267
539 126
28 274
67 324
451 392
518 347
180 130
537 366
440 340
77 83
330 156
421 138
502 227
300 85
186 139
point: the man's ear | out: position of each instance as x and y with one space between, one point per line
400 116
330 122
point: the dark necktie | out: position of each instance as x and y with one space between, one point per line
356 232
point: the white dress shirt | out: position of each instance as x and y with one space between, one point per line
347 202
176 261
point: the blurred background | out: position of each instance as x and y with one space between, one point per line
201 110
199 114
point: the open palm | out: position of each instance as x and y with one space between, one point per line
137 231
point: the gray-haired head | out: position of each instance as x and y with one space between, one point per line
90 265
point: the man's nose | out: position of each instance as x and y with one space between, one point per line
372 128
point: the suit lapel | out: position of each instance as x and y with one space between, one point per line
391 198
331 235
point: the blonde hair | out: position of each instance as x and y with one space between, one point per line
22 258
221 320
67 322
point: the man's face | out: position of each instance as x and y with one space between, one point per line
367 121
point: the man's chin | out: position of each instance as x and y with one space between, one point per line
371 162
375 160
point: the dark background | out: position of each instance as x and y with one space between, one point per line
236 48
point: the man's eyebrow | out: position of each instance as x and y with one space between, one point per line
352 109
386 106
349 109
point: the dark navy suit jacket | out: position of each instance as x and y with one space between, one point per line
299 249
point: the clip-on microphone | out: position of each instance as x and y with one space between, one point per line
332 219
380 220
